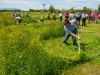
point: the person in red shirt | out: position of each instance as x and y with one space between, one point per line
66 15
89 17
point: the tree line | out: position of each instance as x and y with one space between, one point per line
52 9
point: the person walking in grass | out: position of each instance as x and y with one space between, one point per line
70 29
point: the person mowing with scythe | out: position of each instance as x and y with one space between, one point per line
71 29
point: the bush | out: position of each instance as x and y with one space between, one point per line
52 31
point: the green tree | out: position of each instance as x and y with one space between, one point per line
57 10
51 8
99 7
71 9
31 10
86 9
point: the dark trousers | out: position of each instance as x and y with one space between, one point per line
67 35
83 21
54 17
61 19
78 20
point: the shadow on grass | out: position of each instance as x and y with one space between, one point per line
83 46
66 43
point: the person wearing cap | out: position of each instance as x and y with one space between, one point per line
71 29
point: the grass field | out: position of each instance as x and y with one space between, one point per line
35 48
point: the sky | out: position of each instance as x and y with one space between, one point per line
58 4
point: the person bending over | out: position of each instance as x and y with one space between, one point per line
18 20
70 29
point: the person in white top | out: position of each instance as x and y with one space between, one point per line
54 16
83 19
71 15
61 15
18 20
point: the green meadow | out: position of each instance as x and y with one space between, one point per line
35 48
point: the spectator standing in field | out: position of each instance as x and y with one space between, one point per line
99 15
66 15
54 16
96 18
70 29
93 17
71 15
42 17
78 17
89 17
61 15
83 19
48 15
18 20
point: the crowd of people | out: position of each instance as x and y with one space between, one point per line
70 20
89 17
17 17
79 16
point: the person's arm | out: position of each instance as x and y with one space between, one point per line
75 36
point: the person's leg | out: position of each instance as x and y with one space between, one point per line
95 20
73 38
61 19
88 20
82 21
66 37
79 21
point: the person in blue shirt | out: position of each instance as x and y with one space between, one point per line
70 29
78 18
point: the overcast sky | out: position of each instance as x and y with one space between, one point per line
58 4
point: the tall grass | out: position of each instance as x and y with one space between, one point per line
53 30
23 50
6 19
24 53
